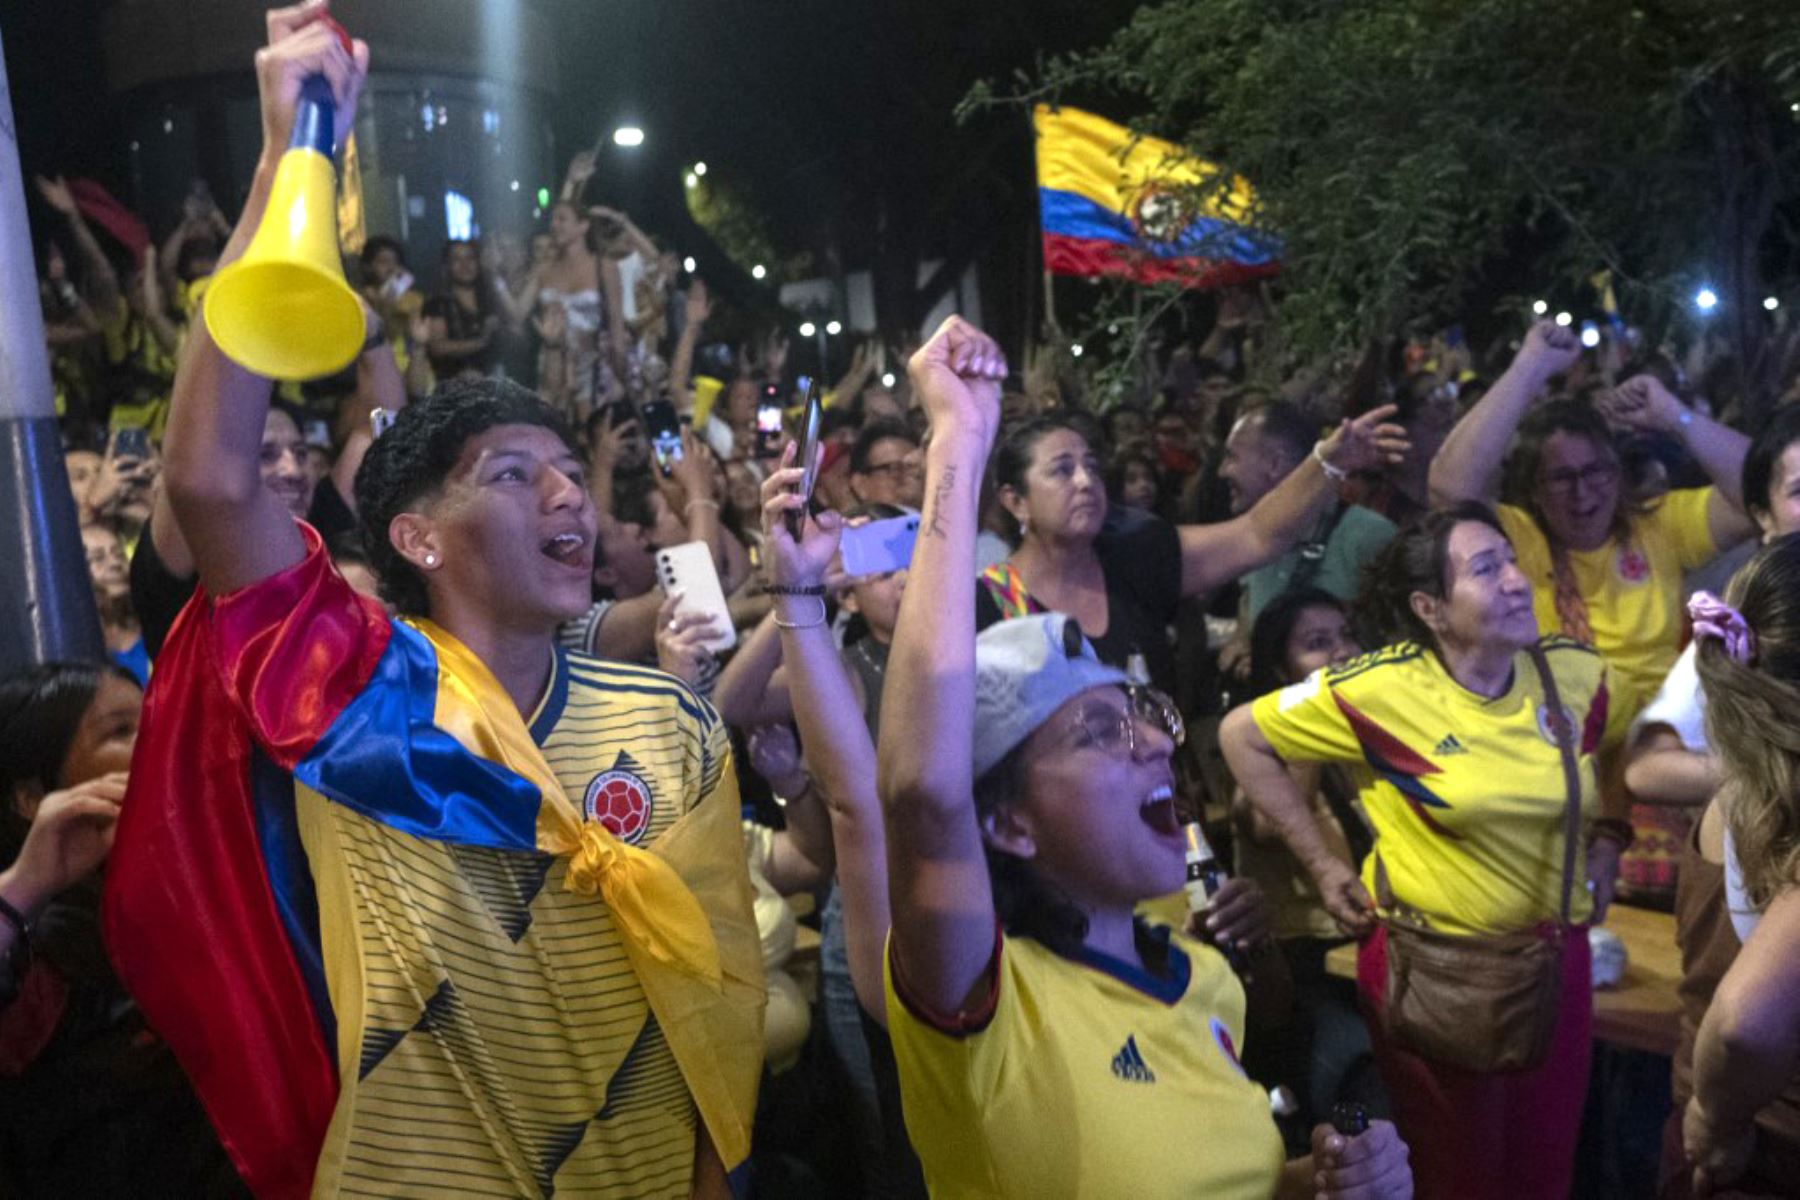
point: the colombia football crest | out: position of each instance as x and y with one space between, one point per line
621 800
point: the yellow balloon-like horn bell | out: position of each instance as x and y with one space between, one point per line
284 310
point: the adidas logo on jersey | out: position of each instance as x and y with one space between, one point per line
1450 745
1130 1066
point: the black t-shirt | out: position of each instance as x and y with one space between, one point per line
460 325
1140 558
157 593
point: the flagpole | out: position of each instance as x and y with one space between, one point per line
47 600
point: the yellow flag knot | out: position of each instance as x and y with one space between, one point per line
651 904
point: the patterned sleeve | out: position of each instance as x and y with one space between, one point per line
1304 723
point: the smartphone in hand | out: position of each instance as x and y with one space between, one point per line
664 430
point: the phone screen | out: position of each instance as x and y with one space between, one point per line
664 429
131 443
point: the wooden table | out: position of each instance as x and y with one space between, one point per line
1642 1012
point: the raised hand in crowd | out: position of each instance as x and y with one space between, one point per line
775 755
100 281
581 169
680 641
1467 466
839 754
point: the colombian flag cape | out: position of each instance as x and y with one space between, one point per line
210 914
1140 208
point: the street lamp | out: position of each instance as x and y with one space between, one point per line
1540 307
1771 303
700 168
1565 319
758 271
688 265
807 328
887 379
628 135
833 328
1706 299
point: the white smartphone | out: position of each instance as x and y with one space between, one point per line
688 569
879 546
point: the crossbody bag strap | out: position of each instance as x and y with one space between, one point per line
1563 727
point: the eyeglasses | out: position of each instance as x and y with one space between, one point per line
899 469
1594 476
1114 730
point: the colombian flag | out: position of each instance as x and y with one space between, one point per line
212 917
1140 208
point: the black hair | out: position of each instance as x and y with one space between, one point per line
1780 431
835 420
377 244
416 455
1139 454
1284 424
41 709
1417 560
879 430
347 547
1274 625
197 246
1012 459
1027 904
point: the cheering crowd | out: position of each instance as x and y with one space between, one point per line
458 844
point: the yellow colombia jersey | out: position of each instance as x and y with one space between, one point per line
505 1045
1091 1078
1466 794
1633 591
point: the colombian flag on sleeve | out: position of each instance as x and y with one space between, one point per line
1140 208
212 916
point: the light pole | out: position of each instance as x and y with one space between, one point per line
46 600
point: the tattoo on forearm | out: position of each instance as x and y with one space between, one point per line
940 496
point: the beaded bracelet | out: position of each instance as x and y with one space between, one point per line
777 589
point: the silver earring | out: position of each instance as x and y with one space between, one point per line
431 560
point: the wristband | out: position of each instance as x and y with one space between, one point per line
1612 829
1332 471
776 589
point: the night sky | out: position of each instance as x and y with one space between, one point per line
834 119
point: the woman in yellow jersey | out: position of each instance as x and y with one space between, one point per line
1748 1049
1603 570
1048 1043
1462 780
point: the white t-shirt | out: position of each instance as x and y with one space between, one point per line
1680 704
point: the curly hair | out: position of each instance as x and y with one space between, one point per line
416 455
1417 560
1750 719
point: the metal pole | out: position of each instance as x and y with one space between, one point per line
46 600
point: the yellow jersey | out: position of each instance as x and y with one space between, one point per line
1088 1077
1632 590
492 1036
1465 794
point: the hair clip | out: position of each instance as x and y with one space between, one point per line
1715 619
